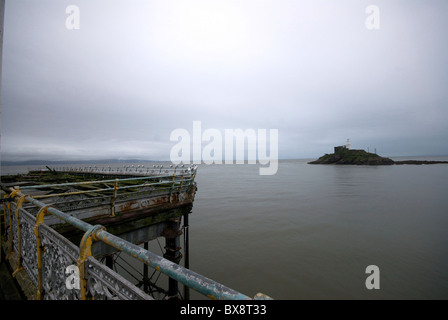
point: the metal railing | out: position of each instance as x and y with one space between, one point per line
108 192
28 235
130 169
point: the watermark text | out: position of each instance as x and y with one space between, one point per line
232 144
373 19
373 280
72 22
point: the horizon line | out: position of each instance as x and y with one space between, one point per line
74 161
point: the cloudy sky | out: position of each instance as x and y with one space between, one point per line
132 71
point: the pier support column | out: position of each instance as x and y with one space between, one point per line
172 251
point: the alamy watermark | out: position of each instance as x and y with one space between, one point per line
72 281
373 280
190 147
373 19
73 21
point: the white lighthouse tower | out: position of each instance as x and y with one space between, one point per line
347 144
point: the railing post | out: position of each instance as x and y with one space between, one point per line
112 200
39 220
172 187
85 251
181 183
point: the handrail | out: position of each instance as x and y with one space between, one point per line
124 170
203 285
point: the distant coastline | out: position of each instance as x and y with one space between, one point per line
61 162
420 162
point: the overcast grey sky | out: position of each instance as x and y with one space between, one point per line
136 70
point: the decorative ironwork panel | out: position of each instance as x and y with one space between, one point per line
7 225
104 283
59 253
14 228
29 248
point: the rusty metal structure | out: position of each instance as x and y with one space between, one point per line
111 197
66 225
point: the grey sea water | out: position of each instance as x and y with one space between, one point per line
310 231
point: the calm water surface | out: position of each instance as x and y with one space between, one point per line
310 231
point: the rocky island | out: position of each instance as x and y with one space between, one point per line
344 155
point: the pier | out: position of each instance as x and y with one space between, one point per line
64 229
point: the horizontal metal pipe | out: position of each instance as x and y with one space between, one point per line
206 286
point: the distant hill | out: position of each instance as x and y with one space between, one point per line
62 162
